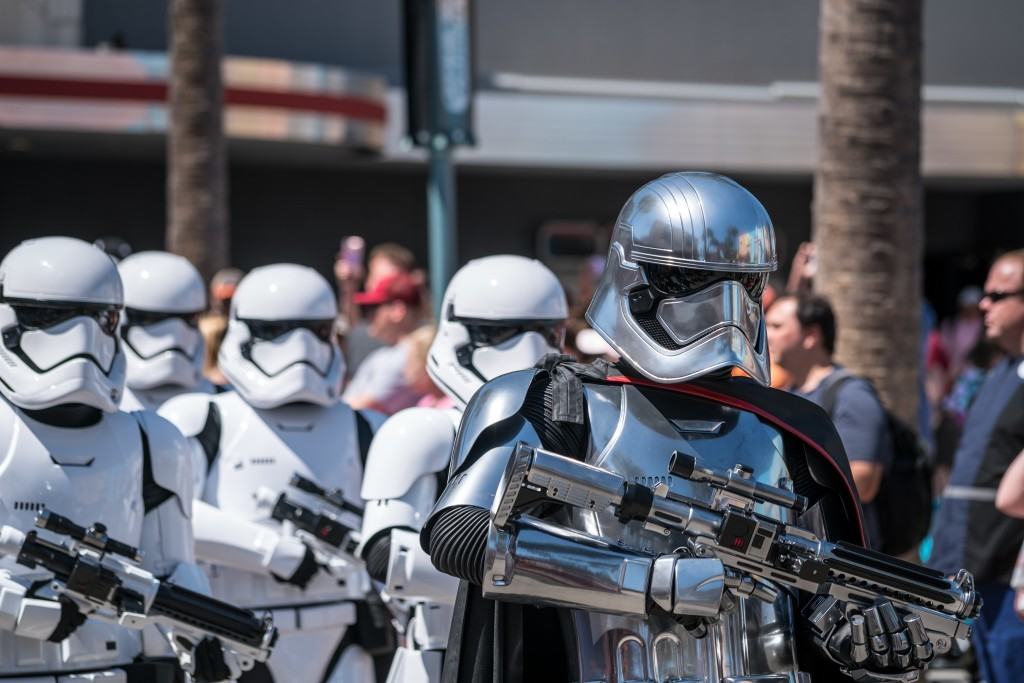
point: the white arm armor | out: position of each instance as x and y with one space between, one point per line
412 576
232 541
23 616
540 561
401 477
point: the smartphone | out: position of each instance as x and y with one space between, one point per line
351 252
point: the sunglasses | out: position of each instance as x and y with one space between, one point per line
996 297
136 317
268 330
31 317
368 310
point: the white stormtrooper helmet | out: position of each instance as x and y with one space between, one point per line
499 314
280 347
163 298
60 301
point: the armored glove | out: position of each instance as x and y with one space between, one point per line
210 664
71 615
71 618
875 643
304 573
207 661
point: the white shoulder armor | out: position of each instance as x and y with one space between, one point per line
188 412
413 443
170 459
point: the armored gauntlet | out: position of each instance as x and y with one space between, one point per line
876 643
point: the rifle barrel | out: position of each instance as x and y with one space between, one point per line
210 615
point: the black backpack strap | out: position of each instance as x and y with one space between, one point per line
364 433
209 436
833 383
153 495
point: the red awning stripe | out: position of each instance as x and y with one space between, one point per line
353 107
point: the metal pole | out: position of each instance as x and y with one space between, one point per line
441 218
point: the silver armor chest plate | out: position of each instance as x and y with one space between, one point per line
635 434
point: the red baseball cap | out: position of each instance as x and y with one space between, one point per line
398 287
224 283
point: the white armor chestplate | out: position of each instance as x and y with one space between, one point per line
88 474
630 436
263 448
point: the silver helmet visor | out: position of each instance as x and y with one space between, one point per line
726 303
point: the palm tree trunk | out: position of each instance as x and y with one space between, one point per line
197 222
868 191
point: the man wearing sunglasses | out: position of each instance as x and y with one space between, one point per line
68 449
284 416
969 531
164 296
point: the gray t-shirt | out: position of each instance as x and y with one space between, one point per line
381 376
358 345
863 428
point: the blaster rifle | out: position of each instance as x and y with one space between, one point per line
331 529
334 497
102 574
729 529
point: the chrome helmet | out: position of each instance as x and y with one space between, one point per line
280 346
680 296
499 314
60 301
163 297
